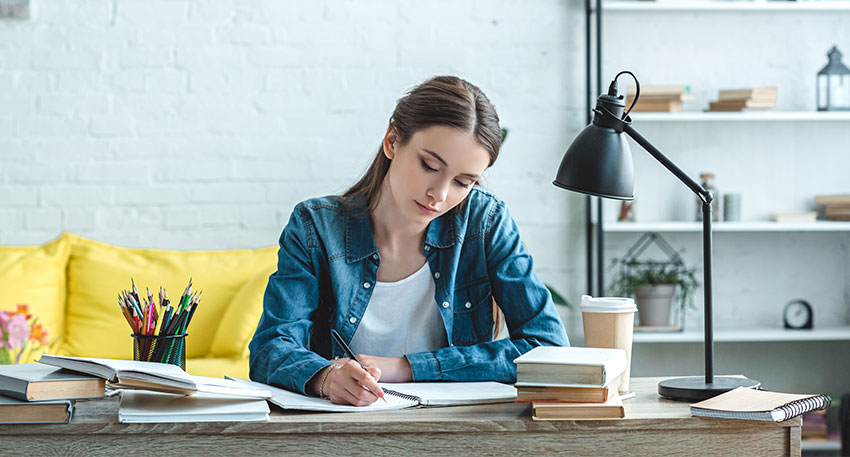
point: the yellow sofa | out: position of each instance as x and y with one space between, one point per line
71 284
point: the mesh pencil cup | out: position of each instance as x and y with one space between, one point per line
163 349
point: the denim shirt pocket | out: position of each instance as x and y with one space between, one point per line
473 315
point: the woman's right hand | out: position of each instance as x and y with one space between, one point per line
345 385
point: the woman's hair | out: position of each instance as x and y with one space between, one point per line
441 100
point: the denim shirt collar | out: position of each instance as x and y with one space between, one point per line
359 242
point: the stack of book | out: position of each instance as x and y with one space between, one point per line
571 383
837 206
61 388
664 99
754 98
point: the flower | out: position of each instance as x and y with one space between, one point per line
19 330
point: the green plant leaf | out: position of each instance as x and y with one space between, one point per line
557 298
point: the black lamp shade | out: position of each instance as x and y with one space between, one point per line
599 163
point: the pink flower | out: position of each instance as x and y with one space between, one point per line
18 331
4 325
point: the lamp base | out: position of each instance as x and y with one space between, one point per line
696 389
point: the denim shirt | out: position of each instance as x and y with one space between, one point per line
328 265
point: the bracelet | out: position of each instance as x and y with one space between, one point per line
324 378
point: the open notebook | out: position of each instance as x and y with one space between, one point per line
400 395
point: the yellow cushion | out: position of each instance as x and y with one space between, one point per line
36 276
218 367
97 272
239 322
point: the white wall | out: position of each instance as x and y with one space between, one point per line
200 124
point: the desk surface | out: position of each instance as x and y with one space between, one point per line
653 425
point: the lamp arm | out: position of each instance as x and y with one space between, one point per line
706 198
703 194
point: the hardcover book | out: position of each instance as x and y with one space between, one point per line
33 381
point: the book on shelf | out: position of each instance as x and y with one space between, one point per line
662 106
758 405
832 200
161 377
399 396
14 411
34 381
659 91
144 407
753 93
808 216
612 408
537 393
740 105
570 366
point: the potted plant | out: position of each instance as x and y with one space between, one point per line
656 287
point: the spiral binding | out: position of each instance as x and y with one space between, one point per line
795 408
402 396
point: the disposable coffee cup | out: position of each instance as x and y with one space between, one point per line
609 323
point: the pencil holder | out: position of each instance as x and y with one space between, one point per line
163 349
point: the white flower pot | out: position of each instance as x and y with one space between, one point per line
654 304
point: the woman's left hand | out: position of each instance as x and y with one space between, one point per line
393 369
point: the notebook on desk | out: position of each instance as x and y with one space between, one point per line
399 396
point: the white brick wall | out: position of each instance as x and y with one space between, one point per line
201 123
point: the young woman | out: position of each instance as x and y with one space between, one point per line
408 265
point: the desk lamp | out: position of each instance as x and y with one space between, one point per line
599 163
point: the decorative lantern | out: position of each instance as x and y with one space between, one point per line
833 89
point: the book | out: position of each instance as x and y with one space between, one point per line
570 366
671 91
808 216
612 408
161 377
98 409
526 393
146 407
399 396
832 199
763 93
663 106
33 381
759 405
14 411
683 97
740 105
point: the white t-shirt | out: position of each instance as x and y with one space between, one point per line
401 318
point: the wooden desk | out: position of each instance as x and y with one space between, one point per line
653 426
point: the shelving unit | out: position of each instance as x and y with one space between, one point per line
746 335
637 6
756 226
791 262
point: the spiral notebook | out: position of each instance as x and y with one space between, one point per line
399 396
758 405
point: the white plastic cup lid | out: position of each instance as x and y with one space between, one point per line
607 304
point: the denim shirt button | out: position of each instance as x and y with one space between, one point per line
437 275
366 285
445 304
353 320
467 305
427 248
375 256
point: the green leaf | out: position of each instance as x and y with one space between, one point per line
557 298
504 134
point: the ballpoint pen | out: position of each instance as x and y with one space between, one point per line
350 354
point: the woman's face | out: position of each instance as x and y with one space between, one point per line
434 171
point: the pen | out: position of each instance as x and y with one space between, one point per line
350 354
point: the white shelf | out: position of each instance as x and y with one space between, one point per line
740 335
831 445
742 116
760 226
725 6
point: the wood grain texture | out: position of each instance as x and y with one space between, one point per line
653 426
